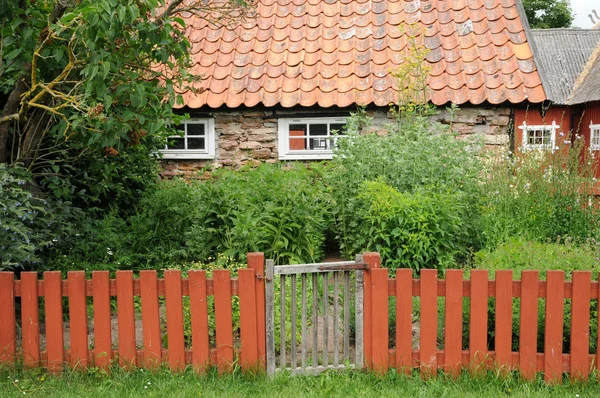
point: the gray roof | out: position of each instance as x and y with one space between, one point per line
561 55
587 87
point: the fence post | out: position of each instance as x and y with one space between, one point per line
7 317
248 319
372 260
379 317
256 261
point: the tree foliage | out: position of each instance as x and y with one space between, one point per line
88 88
546 14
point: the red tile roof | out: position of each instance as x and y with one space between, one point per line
342 52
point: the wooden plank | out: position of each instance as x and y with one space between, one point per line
30 320
78 319
379 310
315 319
102 319
429 323
8 333
553 334
199 320
126 319
304 323
174 305
528 324
478 325
249 359
298 269
152 352
223 320
282 305
373 260
404 337
256 261
503 327
346 316
453 323
293 321
270 318
359 319
336 316
326 319
54 321
580 325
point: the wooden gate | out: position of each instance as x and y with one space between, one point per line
327 325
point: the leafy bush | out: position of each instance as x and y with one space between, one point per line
414 157
280 211
29 226
409 230
540 196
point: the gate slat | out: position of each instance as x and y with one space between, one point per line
479 319
504 312
346 316
315 316
55 347
199 319
429 322
453 322
102 319
336 314
30 319
126 319
326 319
293 318
553 339
152 353
223 320
304 334
580 325
529 323
282 359
78 319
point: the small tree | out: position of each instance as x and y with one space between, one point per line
546 14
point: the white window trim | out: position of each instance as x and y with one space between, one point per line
208 153
532 147
594 128
283 139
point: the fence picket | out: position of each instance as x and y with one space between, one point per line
580 325
126 319
528 324
478 325
30 319
152 353
199 320
429 322
173 302
503 327
55 347
223 320
78 321
102 319
453 322
404 337
8 336
256 261
379 311
553 339
248 331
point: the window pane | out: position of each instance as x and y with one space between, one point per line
319 143
195 129
176 143
339 128
196 143
318 129
297 130
180 128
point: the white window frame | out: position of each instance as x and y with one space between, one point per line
545 127
283 138
209 138
594 132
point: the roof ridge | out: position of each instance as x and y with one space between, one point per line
585 72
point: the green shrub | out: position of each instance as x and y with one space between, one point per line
540 196
409 230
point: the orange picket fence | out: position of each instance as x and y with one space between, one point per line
26 344
529 292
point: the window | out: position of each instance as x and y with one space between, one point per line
305 139
539 137
196 141
594 137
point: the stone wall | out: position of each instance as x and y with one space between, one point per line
250 137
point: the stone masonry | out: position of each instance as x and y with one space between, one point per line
250 137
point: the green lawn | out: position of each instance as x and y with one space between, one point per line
165 384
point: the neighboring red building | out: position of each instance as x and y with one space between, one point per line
568 61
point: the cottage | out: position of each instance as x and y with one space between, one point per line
569 64
276 86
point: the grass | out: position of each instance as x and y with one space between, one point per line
141 383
